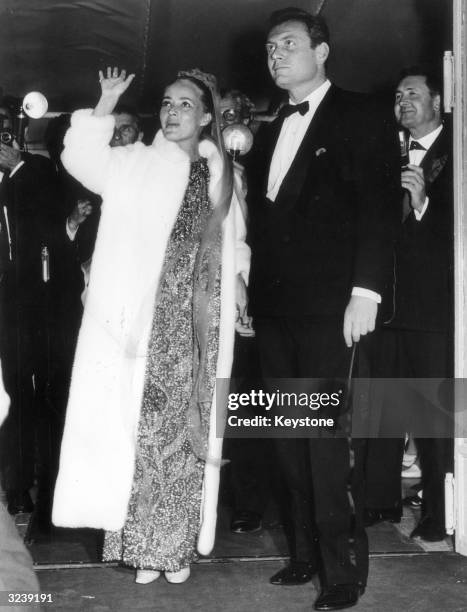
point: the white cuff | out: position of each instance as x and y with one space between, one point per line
70 233
367 293
419 213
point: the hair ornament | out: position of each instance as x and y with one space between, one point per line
209 80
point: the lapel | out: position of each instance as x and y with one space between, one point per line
436 157
306 156
266 143
433 163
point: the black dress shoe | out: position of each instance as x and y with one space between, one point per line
373 516
429 530
246 522
18 501
338 596
295 573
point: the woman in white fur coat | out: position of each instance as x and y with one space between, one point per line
142 443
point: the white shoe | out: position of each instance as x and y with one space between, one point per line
178 577
146 576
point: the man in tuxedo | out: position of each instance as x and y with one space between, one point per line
417 340
27 209
323 193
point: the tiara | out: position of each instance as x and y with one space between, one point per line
209 80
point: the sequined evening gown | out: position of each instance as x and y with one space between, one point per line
164 511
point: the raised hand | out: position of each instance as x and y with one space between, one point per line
113 85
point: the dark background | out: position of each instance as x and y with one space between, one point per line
57 47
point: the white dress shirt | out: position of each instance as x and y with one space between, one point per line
290 138
416 157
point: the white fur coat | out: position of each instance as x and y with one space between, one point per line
142 189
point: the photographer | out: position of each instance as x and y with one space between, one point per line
27 207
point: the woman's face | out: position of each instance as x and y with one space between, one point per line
182 113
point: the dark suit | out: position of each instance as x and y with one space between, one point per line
330 229
65 311
27 209
417 342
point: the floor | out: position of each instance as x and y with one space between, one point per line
405 575
419 583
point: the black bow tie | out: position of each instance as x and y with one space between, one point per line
414 145
290 109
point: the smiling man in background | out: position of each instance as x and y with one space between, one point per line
417 342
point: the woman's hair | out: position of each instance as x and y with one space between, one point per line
206 95
207 84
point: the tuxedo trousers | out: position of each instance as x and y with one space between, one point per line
321 475
252 469
411 354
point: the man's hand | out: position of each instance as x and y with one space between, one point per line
9 157
113 85
359 318
413 179
243 323
80 213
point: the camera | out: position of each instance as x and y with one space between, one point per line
6 136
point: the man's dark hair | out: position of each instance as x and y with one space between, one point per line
126 109
315 24
432 78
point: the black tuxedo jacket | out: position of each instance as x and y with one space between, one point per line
424 250
333 223
29 198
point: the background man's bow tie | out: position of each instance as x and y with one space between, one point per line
290 109
416 145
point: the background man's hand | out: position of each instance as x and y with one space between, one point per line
9 157
359 318
413 179
80 213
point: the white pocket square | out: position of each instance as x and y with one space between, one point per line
320 151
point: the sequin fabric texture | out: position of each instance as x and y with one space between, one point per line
163 518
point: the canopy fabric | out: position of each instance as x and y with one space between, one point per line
58 46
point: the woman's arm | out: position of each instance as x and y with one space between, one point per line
112 87
87 154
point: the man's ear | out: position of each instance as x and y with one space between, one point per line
206 120
437 103
322 52
140 136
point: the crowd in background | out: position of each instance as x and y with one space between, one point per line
352 244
